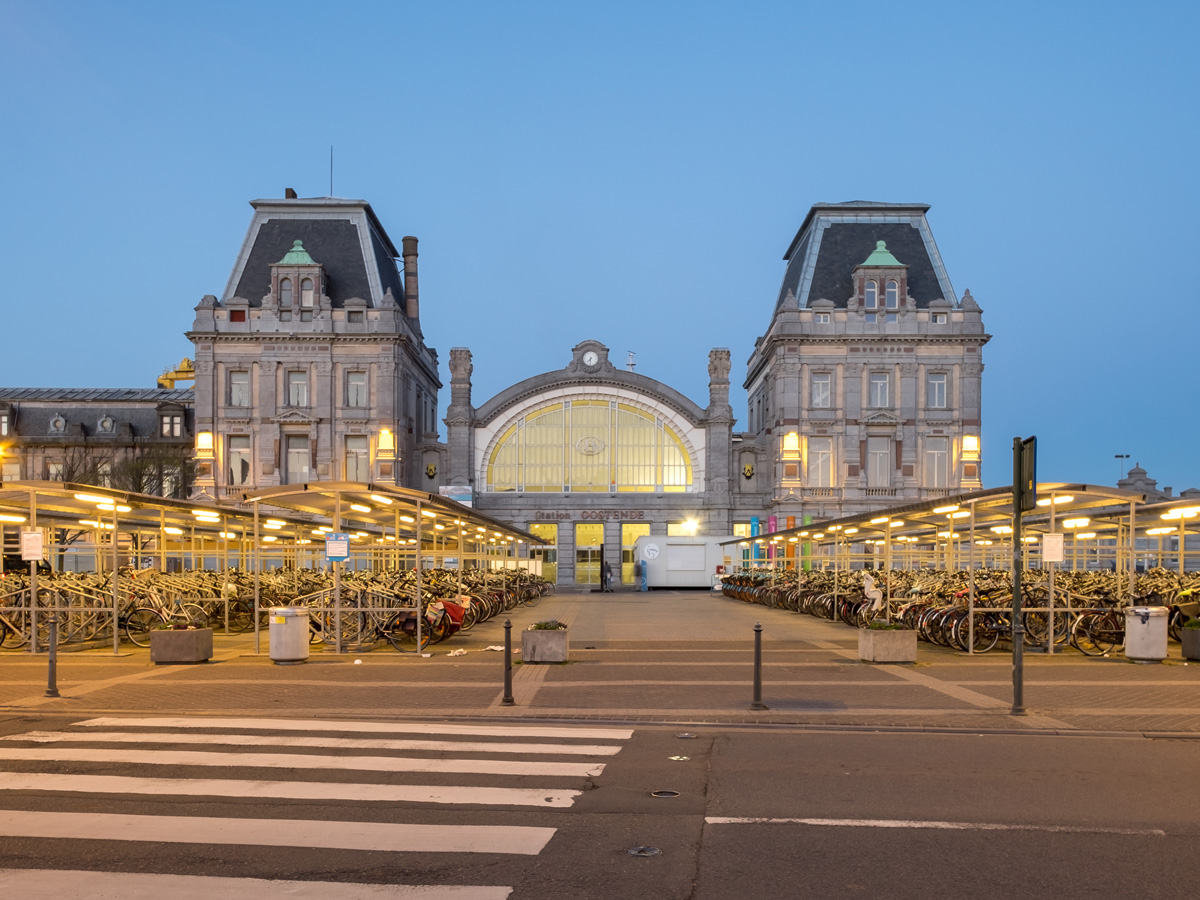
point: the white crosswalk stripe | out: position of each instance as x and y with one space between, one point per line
243 747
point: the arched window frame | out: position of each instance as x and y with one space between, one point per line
892 295
285 293
871 295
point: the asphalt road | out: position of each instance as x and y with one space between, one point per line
197 808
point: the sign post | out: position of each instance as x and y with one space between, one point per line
1024 499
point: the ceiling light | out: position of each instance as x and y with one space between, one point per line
429 512
92 498
946 509
379 498
1160 531
171 530
359 507
269 538
272 526
1076 523
962 514
408 519
279 522
879 521
8 518
1046 501
851 531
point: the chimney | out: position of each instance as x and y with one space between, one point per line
412 307
289 194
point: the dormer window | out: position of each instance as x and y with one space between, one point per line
892 295
105 425
306 300
820 318
285 292
57 425
871 296
938 318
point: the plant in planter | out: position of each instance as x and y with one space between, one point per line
1189 638
883 642
545 642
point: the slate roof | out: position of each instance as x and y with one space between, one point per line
837 237
110 395
330 229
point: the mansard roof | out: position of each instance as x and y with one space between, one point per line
344 236
837 237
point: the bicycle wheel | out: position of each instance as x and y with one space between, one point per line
139 624
533 598
195 614
400 632
1094 634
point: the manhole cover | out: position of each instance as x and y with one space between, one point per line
685 735
664 794
679 758
643 851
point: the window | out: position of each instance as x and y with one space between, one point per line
285 293
936 463
935 391
355 316
105 425
306 300
878 469
821 318
172 426
54 471
104 473
239 389
596 446
892 295
821 394
238 460
297 387
938 318
890 317
356 390
3 424
820 462
237 315
869 317
878 394
871 296
358 462
298 459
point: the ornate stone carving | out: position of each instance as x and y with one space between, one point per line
324 367
460 364
204 367
718 364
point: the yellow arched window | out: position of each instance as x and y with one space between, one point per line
589 446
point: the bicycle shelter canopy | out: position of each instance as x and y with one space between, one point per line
974 529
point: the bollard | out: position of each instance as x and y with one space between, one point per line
508 697
52 663
757 703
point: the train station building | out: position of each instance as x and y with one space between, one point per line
865 390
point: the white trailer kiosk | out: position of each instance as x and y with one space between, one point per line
682 562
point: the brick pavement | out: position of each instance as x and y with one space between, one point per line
660 657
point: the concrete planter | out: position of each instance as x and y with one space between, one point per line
1189 639
191 646
887 646
545 646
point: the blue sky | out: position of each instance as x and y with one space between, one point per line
629 172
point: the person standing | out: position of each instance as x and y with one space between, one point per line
605 576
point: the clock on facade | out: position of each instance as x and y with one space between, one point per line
590 358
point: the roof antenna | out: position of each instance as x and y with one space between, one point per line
331 170
631 361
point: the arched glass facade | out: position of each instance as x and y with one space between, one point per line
581 446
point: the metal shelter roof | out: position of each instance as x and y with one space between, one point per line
376 509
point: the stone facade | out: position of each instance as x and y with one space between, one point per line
132 439
312 365
865 390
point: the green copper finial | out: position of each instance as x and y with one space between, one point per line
880 256
297 256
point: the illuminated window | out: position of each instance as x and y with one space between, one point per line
586 446
820 462
358 461
791 445
172 426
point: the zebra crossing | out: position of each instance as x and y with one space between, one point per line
412 760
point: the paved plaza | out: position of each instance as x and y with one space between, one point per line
670 657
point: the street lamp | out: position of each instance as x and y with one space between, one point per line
1120 465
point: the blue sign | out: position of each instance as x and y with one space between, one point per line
337 547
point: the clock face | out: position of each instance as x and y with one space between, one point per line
590 358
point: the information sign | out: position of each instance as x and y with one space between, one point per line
337 547
1052 548
31 546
